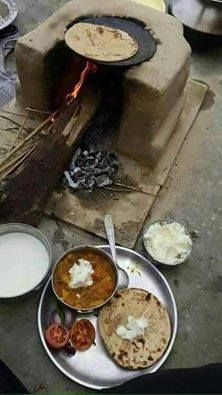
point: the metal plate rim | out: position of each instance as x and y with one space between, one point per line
18 227
13 12
161 361
205 24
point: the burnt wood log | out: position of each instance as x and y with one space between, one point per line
24 195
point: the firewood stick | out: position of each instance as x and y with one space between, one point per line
13 161
28 138
16 162
12 121
125 190
19 131
13 113
122 188
10 128
130 187
38 111
50 128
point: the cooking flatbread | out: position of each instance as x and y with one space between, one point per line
100 43
141 351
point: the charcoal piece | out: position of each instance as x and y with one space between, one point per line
92 149
83 185
85 165
108 170
85 153
98 171
81 179
77 170
78 174
91 160
104 162
74 158
78 178
94 163
82 163
103 181
115 165
84 160
91 169
92 185
99 155
90 182
79 162
71 167
71 183
105 153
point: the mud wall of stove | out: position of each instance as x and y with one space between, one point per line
153 91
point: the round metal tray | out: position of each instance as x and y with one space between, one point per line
10 16
94 368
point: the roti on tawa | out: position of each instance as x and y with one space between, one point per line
101 43
142 351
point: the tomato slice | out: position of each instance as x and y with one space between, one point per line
82 335
57 336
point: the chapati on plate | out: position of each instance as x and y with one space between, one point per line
143 350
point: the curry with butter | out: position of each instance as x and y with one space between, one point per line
104 281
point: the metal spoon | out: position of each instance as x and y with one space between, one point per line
123 279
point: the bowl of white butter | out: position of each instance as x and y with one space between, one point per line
167 243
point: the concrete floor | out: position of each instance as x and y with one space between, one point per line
191 195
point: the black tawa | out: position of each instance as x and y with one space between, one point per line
136 29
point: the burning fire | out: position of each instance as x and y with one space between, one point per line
90 67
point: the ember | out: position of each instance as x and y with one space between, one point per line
90 169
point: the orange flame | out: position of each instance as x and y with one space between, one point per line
90 67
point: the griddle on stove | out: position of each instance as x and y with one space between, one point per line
136 29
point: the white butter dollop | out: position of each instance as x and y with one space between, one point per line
168 243
134 327
81 274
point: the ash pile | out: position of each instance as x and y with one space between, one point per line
91 168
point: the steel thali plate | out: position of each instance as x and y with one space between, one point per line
94 368
8 12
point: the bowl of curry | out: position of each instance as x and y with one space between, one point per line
84 278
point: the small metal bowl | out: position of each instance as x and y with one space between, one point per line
83 249
158 263
27 229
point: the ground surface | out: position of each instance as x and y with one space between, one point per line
191 195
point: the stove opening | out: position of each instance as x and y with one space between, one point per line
94 163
